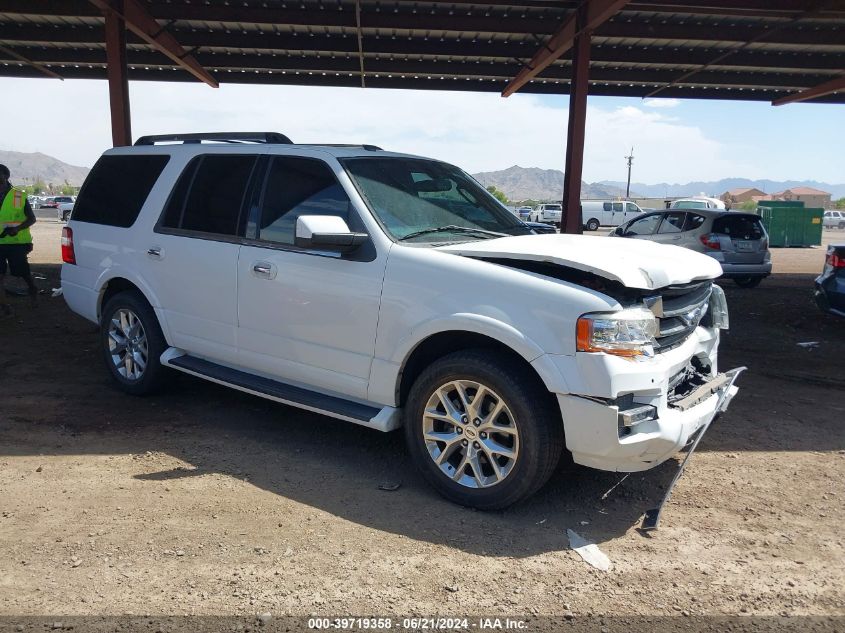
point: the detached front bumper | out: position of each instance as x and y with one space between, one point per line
597 435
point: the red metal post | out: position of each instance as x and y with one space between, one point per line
121 126
571 222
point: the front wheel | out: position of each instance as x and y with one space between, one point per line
842 225
592 224
482 435
132 343
747 282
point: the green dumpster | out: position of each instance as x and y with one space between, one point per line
789 223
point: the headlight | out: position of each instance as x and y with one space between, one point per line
719 308
627 333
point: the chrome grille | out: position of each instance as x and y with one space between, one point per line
684 307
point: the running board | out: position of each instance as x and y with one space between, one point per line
381 419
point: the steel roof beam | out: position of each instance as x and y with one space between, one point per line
353 79
24 60
752 61
620 31
595 13
503 70
827 88
145 26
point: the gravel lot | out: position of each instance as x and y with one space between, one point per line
207 501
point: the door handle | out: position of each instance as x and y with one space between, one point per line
155 252
263 270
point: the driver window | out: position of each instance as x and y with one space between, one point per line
298 186
643 226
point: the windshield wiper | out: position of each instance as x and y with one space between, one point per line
453 228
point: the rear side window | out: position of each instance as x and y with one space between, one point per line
117 188
694 221
209 195
298 186
743 227
672 223
607 206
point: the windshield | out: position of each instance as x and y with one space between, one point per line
426 201
689 204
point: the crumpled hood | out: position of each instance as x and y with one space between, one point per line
634 263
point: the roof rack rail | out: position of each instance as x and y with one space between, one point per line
221 137
369 148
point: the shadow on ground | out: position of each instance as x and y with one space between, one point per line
63 402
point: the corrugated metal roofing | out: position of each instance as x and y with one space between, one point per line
676 47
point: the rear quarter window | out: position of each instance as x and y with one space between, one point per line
743 227
117 188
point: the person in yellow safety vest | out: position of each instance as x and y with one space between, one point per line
16 217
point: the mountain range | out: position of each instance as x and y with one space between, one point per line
532 183
718 187
27 168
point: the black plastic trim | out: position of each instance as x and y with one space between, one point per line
296 395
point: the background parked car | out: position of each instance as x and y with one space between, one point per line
540 227
48 203
834 219
697 202
63 211
737 241
596 213
524 213
830 285
548 213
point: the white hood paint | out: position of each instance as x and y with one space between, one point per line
634 263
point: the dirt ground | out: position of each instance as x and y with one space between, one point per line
207 501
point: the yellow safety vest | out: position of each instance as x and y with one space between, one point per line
12 214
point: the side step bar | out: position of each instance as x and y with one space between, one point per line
381 419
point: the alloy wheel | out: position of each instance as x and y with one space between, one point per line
127 343
470 433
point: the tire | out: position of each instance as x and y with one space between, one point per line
147 341
747 282
842 225
593 224
531 430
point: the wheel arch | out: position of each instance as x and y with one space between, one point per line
439 344
118 282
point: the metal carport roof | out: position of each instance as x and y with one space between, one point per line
745 49
771 50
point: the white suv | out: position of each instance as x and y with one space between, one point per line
391 290
548 214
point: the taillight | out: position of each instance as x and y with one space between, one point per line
711 241
836 260
68 256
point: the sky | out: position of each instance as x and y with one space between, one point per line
674 141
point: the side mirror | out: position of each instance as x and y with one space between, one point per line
326 233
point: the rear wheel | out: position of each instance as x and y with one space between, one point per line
482 434
132 343
747 282
592 224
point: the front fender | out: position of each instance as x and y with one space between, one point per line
386 374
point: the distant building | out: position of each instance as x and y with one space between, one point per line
736 197
809 196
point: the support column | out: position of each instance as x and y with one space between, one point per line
571 222
121 126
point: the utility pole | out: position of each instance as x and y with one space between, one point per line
630 159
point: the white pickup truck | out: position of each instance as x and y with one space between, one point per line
393 291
